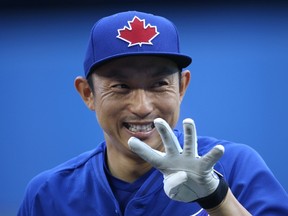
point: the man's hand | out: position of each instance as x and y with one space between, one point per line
187 177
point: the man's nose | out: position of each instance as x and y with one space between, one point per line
141 103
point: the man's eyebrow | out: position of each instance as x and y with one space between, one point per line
166 71
116 73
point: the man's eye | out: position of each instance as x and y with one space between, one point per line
160 83
121 86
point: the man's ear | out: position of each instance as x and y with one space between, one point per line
83 88
185 80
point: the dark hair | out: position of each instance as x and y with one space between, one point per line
90 81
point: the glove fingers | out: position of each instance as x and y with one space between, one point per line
213 156
190 138
145 152
169 139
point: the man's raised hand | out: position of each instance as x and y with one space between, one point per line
187 176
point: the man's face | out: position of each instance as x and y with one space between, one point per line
130 92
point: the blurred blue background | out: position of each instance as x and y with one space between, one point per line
238 90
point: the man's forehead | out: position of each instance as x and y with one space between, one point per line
152 65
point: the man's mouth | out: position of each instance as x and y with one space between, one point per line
139 127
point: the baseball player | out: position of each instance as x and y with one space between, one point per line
135 80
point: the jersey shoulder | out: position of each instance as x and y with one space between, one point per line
63 169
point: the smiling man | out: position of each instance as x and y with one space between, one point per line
128 94
135 80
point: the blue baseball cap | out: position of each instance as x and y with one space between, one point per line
133 33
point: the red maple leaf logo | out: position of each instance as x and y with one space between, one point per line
137 33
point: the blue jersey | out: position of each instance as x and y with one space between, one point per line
80 187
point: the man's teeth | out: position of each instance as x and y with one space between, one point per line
140 128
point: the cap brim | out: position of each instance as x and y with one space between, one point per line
181 60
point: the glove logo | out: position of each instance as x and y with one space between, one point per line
138 33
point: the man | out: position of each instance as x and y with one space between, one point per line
135 82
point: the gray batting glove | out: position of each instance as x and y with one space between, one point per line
187 176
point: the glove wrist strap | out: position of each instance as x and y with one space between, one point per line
216 197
